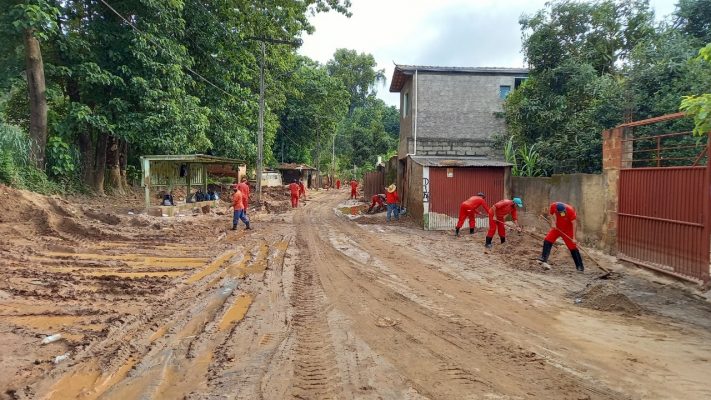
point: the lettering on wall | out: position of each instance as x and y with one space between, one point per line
425 190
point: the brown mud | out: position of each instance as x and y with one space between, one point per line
311 304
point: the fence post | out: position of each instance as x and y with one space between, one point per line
614 151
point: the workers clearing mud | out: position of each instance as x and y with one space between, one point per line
468 210
563 225
497 218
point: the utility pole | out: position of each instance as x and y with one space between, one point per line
260 134
333 157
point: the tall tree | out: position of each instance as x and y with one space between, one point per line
31 20
358 73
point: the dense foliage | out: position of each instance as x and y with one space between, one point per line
594 65
143 77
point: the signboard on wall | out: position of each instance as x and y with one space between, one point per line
450 172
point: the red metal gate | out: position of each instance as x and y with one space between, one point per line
663 211
449 187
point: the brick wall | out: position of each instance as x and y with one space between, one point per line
614 150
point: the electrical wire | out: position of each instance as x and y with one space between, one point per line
184 66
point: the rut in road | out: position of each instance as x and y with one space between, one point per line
316 374
437 346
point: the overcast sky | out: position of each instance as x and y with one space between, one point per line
466 33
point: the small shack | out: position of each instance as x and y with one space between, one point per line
165 172
291 171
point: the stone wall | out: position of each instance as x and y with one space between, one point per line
585 192
454 147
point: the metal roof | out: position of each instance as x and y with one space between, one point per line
444 161
402 72
294 166
194 158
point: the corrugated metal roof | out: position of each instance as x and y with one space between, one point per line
194 158
401 72
295 166
432 161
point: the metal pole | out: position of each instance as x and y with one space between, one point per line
260 134
333 157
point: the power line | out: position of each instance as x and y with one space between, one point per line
185 66
160 47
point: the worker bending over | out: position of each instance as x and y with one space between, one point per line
497 218
468 209
377 200
565 226
294 191
238 206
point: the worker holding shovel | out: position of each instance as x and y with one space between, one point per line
468 209
564 226
497 218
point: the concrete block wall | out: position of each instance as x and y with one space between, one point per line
460 106
454 147
585 192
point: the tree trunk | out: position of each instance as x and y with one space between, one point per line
113 158
38 100
100 164
88 155
123 162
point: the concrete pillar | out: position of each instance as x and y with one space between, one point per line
616 155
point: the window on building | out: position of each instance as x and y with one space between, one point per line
518 82
405 104
504 91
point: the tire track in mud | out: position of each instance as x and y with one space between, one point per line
316 375
165 352
444 354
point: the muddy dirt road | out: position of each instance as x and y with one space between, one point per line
313 305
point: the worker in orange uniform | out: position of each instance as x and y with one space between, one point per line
294 190
302 189
238 206
565 226
497 218
377 200
392 200
354 188
244 188
338 184
468 209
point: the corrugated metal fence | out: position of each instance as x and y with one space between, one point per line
373 183
663 212
661 220
449 187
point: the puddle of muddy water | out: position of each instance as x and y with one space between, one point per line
213 266
89 382
237 311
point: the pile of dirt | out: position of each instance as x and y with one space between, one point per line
604 297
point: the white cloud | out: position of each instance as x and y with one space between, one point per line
426 32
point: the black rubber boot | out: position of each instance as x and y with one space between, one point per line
248 227
578 260
503 239
471 230
488 242
547 246
234 227
456 231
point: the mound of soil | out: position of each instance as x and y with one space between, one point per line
605 298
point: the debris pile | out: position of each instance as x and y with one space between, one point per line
604 297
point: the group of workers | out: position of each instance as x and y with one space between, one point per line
563 224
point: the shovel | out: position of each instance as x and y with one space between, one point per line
606 271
